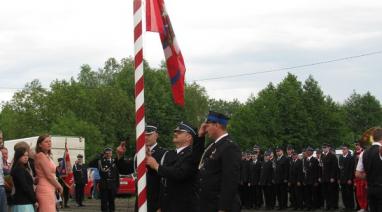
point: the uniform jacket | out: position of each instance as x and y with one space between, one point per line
329 167
372 164
254 172
311 168
80 174
153 181
219 177
179 182
108 172
266 173
295 172
244 171
281 170
346 168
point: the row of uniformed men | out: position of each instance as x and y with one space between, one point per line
312 182
193 177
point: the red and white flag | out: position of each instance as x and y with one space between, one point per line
157 20
66 171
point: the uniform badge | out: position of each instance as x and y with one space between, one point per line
212 156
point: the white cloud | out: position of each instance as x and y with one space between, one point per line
51 39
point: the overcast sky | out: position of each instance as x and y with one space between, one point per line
51 39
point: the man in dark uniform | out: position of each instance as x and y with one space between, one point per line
266 181
289 152
153 179
347 163
370 163
296 178
281 178
219 167
310 170
109 182
329 177
257 151
80 179
244 180
126 166
256 195
178 170
318 193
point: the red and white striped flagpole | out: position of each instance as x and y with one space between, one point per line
139 106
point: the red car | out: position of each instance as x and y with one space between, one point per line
126 185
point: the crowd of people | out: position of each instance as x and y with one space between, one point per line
199 177
312 179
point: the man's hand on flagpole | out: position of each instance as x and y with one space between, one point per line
121 150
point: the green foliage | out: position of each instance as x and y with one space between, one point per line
70 125
301 115
99 106
362 112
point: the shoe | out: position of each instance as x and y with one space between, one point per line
361 210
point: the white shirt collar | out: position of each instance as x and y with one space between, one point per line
310 157
377 143
152 147
180 149
222 136
345 155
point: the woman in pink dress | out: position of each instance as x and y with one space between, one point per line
46 174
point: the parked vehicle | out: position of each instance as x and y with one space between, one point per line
127 184
126 187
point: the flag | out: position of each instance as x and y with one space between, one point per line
157 20
65 169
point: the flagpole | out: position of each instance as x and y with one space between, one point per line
139 106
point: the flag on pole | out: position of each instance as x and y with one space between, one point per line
157 20
65 170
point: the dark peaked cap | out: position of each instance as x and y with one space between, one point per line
183 127
149 129
107 149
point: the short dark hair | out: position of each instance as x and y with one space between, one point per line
377 135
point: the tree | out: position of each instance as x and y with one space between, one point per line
292 111
24 115
362 112
70 125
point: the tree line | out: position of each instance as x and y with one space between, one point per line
99 105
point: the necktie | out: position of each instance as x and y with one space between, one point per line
201 164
